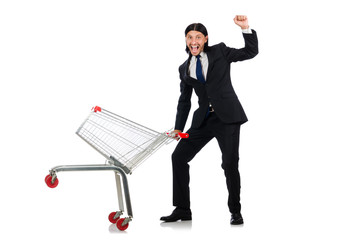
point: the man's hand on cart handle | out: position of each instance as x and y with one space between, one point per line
177 134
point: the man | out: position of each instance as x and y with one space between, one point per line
220 114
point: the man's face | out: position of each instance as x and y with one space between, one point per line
195 41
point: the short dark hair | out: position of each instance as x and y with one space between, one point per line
200 28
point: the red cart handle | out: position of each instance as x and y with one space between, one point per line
176 134
183 135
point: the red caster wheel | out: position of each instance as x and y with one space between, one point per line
111 217
119 224
48 181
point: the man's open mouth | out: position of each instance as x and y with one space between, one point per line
194 48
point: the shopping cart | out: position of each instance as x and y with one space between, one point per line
125 144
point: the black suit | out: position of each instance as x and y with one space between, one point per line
218 88
223 124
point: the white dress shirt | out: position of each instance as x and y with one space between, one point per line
204 64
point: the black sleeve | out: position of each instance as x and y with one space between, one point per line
184 106
249 51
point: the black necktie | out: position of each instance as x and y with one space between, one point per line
199 74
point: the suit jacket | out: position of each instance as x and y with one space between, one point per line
218 89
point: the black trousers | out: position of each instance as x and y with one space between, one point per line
227 136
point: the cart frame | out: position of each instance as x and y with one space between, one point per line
120 163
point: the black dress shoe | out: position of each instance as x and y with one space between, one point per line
178 214
236 219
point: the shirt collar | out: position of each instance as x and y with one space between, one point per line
202 56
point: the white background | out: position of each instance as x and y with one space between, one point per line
300 152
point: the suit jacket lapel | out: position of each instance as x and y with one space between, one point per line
210 58
186 65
